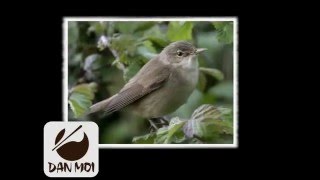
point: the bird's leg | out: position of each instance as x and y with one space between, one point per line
162 121
165 120
151 129
153 124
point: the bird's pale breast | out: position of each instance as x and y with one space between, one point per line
170 97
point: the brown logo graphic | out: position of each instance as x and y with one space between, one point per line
72 150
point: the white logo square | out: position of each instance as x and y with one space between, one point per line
71 149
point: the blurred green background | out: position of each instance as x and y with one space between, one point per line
103 56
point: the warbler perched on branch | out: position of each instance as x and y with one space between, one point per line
161 86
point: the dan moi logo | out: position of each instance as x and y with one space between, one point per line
71 149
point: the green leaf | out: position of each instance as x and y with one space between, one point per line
193 128
223 90
174 127
147 50
178 137
81 98
165 135
171 134
212 72
149 46
146 139
155 35
202 82
79 104
221 127
124 44
179 31
225 31
131 70
162 135
76 108
208 112
210 124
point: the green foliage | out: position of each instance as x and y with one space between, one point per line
225 31
202 82
165 135
156 36
215 73
73 33
180 31
131 27
124 44
223 90
212 72
97 27
131 70
111 53
146 139
208 124
81 97
147 50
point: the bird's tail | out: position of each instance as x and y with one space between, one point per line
99 106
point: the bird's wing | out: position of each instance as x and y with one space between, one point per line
147 80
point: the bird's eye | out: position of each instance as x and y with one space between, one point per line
179 53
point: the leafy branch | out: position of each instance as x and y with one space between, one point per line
206 125
80 98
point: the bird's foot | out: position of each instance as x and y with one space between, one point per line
157 123
153 125
164 120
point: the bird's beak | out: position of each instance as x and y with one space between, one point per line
199 50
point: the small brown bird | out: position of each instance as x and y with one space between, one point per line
161 86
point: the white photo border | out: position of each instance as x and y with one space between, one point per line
143 146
